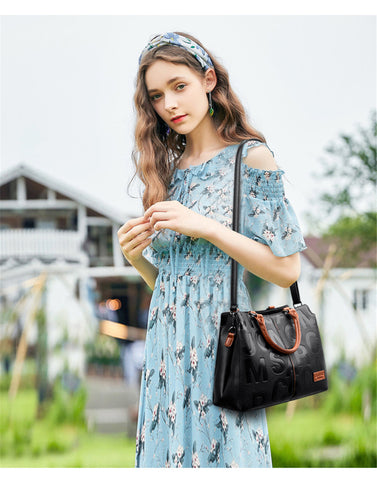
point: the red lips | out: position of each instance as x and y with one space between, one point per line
178 118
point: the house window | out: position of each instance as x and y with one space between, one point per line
28 223
360 299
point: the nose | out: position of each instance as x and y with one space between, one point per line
170 102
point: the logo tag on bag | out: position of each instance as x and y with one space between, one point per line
317 376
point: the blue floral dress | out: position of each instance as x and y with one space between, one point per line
178 425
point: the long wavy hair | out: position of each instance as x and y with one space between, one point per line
156 152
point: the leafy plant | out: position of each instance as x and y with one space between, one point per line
104 351
346 195
353 396
351 164
67 406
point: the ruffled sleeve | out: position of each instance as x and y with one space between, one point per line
267 215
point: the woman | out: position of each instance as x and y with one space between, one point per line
189 125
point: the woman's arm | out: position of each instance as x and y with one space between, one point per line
254 256
148 271
133 239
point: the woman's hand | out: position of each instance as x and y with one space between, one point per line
175 216
133 238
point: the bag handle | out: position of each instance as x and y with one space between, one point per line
296 322
236 208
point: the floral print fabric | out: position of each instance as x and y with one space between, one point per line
178 425
189 45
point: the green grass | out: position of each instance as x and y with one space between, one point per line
313 437
84 451
26 442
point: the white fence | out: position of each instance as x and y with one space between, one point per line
25 243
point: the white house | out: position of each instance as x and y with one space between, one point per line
47 226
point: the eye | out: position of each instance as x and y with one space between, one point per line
155 97
181 86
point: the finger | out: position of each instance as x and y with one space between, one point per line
163 224
139 239
131 224
141 246
159 216
157 207
145 226
135 232
129 246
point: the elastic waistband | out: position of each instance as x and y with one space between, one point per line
206 267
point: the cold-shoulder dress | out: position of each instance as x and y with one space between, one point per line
178 425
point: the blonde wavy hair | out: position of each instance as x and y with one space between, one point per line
157 154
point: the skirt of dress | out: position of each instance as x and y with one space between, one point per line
178 425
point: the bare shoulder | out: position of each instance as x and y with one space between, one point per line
260 157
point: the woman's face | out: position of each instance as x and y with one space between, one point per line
178 95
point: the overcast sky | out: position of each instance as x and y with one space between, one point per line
67 85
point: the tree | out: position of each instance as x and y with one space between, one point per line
352 167
349 200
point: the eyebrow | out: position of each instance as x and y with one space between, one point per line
172 80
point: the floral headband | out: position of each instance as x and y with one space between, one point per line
174 39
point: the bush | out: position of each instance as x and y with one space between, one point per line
27 380
331 438
364 456
103 351
54 445
67 406
284 456
23 434
352 395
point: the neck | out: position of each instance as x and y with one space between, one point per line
203 140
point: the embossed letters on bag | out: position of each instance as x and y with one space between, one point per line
250 368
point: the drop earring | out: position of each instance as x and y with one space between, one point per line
211 111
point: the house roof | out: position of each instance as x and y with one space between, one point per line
68 191
319 249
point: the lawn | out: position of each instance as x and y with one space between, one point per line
314 438
309 438
26 442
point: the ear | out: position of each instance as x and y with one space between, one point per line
210 80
